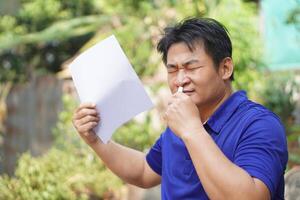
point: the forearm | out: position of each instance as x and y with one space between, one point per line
126 163
221 178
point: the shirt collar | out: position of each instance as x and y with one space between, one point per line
226 110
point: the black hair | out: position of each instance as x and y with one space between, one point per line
212 33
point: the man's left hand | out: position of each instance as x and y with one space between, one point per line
182 115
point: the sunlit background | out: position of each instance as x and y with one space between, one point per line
42 157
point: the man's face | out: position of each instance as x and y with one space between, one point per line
195 72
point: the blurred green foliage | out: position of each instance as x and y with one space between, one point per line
278 92
294 16
247 46
58 175
137 135
279 95
69 170
44 34
25 45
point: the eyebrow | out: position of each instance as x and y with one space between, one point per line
185 63
190 62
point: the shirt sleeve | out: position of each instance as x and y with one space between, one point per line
154 156
262 151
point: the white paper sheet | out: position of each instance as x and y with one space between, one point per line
103 75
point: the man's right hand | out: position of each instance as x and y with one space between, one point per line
85 118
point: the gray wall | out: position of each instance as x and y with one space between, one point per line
32 111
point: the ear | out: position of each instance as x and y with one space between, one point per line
226 68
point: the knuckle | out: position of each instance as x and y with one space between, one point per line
80 130
82 105
90 118
84 112
79 115
93 123
82 120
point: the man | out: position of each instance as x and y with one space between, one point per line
217 144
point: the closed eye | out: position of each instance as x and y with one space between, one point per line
171 68
193 67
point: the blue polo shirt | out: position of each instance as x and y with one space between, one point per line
248 134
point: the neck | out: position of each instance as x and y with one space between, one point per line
207 111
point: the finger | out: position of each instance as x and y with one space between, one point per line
172 108
86 111
164 117
174 101
87 127
87 119
171 100
179 95
86 105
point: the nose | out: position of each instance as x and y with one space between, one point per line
181 78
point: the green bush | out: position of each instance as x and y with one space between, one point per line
137 135
246 41
58 175
69 170
278 94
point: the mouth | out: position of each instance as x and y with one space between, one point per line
188 92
